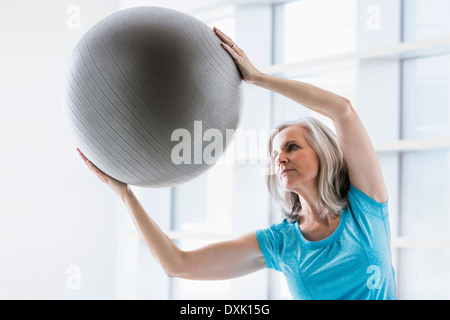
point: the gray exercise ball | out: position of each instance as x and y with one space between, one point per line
144 86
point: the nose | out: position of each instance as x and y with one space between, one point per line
281 159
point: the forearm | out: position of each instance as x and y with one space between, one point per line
310 96
160 245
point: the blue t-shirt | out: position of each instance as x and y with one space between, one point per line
352 263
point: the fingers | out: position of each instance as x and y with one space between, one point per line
231 51
223 36
100 174
227 40
82 155
88 163
235 52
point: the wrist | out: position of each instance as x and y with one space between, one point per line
257 78
125 193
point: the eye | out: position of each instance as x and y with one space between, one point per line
292 147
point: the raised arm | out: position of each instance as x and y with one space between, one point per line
364 168
222 260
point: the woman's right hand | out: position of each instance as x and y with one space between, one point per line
248 71
118 187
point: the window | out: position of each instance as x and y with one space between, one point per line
317 28
425 200
425 19
200 205
424 274
426 97
424 215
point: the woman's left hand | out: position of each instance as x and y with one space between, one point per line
118 187
247 69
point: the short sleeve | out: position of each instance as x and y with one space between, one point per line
365 204
269 243
372 218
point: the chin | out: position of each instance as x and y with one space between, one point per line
288 185
295 184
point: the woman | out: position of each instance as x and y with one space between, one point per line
335 240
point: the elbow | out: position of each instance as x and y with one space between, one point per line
174 268
347 106
178 273
346 110
172 272
183 267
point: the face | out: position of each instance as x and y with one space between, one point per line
296 162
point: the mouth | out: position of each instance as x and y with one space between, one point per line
285 171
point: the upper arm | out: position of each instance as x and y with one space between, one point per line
223 260
362 161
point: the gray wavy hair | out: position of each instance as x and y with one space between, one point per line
332 179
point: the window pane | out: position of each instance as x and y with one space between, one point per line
317 28
425 199
426 98
424 274
425 19
204 204
250 198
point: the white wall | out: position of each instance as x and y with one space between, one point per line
53 212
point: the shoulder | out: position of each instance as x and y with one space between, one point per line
273 240
276 232
361 203
276 227
282 227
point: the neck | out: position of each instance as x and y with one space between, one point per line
308 198
310 212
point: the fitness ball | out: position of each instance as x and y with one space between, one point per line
152 96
